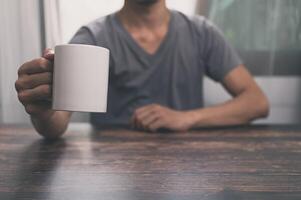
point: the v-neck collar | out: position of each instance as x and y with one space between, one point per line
137 48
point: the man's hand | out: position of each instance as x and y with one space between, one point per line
34 86
153 117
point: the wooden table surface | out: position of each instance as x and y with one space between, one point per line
251 162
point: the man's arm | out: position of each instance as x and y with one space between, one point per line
52 127
34 88
248 103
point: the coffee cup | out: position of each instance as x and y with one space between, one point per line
80 78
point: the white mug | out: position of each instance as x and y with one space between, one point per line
80 78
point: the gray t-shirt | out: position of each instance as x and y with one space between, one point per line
172 77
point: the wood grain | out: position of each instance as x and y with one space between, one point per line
250 162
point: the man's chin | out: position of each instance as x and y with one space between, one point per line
146 2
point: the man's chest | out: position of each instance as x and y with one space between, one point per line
174 64
149 40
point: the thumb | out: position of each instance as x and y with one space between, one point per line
48 54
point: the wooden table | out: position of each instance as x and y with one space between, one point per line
251 162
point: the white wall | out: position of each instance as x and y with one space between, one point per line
284 94
20 41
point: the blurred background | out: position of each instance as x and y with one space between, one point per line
266 33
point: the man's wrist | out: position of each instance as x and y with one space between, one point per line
50 125
44 117
192 118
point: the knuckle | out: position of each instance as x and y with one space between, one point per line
161 118
44 64
46 90
41 63
18 85
153 105
27 65
157 107
21 69
22 96
26 82
144 123
159 112
29 109
138 117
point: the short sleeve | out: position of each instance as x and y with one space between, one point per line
218 55
83 36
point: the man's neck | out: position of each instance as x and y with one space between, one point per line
149 16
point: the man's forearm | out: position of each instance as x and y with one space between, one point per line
240 110
54 126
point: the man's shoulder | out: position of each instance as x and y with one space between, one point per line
196 26
99 25
198 22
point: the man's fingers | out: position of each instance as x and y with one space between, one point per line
136 123
149 120
32 81
42 92
141 113
146 115
155 125
139 119
35 66
147 108
48 54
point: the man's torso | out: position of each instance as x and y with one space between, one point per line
172 76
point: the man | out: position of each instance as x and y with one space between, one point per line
158 60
